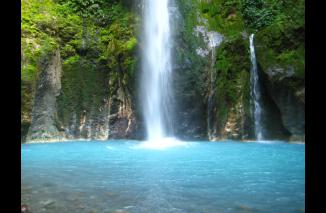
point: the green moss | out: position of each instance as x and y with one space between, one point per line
72 60
296 58
83 88
131 44
188 9
40 38
281 48
28 72
232 84
282 42
224 17
83 36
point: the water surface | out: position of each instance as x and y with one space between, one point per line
121 176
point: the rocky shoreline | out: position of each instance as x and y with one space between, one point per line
104 140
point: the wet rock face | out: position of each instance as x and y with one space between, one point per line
189 100
93 125
289 99
122 127
122 119
114 119
79 105
188 79
44 118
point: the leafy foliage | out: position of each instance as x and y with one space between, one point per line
283 40
223 16
97 43
101 12
257 13
233 76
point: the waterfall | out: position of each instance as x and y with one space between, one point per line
255 91
211 128
156 70
214 39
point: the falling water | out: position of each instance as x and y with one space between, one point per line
255 91
156 70
214 40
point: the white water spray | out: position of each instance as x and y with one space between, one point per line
255 91
156 71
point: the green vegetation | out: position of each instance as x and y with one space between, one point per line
279 27
282 42
223 16
232 62
258 13
83 87
97 44
232 83
42 22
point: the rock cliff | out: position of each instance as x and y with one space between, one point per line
80 71
44 124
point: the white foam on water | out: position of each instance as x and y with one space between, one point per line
161 143
269 141
109 147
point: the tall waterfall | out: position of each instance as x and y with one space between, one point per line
156 70
255 91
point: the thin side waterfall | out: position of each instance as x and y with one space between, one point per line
156 70
214 40
255 91
210 103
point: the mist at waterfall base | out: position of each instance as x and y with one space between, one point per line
121 176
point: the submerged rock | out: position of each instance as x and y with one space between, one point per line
26 188
302 210
47 203
25 209
81 207
120 211
48 184
246 208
